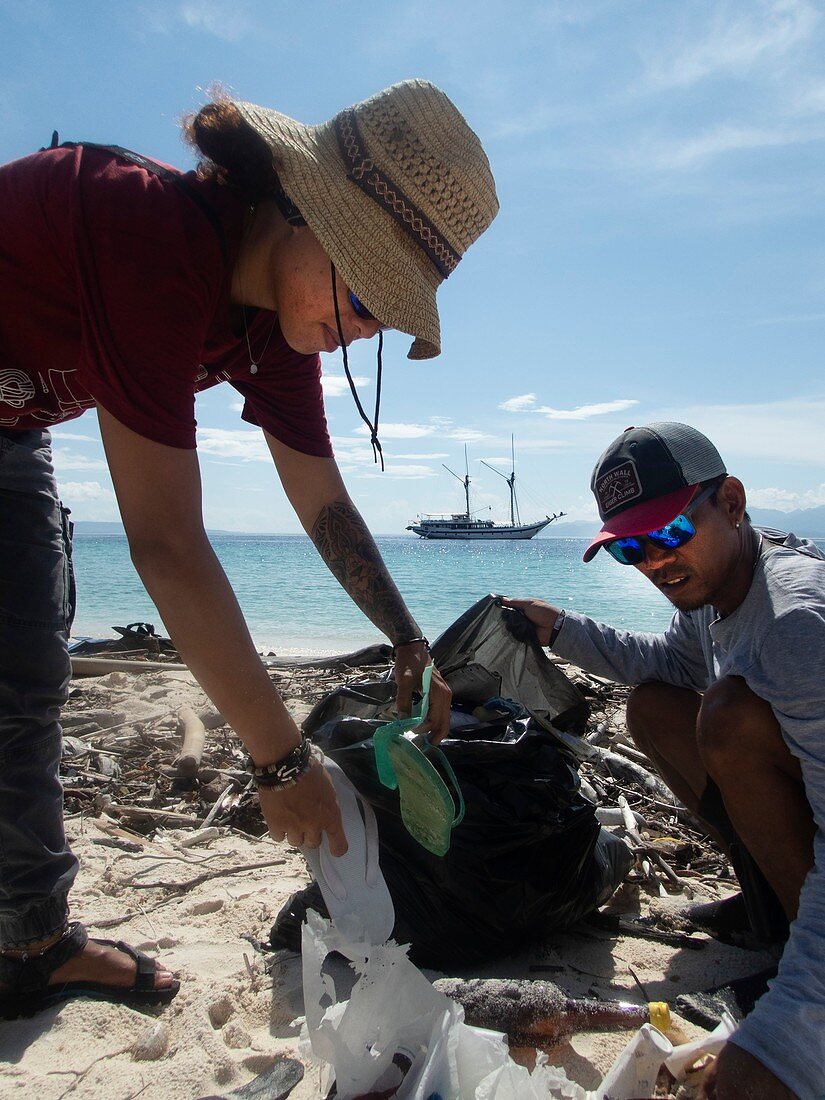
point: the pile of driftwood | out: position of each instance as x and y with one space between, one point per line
673 851
155 767
164 769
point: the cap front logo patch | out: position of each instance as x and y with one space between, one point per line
617 487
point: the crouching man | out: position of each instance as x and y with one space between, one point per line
730 706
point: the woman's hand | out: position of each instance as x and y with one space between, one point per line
737 1075
410 662
305 811
542 615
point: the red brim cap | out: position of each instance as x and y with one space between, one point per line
642 518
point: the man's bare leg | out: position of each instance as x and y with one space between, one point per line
661 719
742 748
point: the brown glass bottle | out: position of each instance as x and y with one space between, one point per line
539 1012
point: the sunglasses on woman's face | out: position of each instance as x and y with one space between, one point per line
359 309
631 550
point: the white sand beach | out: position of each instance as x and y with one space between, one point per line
201 908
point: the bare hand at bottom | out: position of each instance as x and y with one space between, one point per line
736 1075
305 811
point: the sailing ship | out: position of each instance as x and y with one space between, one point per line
465 525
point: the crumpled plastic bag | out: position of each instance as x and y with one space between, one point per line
379 1024
393 1029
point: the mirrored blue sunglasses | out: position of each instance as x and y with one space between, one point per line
359 309
631 550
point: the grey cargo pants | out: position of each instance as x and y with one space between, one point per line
37 867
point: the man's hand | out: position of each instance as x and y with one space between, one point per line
305 811
542 615
737 1075
410 662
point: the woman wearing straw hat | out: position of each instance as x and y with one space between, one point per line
128 287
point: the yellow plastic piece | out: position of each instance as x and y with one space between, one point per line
659 1012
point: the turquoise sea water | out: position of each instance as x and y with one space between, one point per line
293 604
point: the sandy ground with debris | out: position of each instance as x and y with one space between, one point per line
203 907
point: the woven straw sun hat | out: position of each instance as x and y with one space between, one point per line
395 188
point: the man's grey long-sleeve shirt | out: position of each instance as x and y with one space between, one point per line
775 640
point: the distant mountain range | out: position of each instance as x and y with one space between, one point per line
807 522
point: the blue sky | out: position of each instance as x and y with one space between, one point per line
658 255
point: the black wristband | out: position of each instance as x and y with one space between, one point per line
410 641
554 633
286 771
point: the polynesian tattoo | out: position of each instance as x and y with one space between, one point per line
346 545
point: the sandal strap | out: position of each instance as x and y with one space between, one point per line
146 967
32 972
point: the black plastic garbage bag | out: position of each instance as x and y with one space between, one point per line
524 860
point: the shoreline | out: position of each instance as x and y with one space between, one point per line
328 646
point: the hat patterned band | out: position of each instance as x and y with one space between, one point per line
373 182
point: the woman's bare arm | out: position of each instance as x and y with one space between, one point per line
159 492
317 493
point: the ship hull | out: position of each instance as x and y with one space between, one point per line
461 533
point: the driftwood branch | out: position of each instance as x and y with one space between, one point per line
205 876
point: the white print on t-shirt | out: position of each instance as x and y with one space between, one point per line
69 403
16 388
204 375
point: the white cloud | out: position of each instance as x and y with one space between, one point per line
788 431
75 437
519 404
467 435
336 385
788 319
538 445
584 412
226 21
423 457
403 472
694 151
89 500
398 431
236 406
761 33
73 491
249 446
65 459
784 500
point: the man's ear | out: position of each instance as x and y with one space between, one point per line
730 497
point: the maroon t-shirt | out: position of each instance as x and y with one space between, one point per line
114 289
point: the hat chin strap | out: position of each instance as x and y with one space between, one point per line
377 452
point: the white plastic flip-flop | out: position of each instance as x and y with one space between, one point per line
352 885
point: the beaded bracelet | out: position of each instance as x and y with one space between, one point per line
287 771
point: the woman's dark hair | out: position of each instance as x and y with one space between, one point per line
231 153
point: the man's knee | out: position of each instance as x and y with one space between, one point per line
734 723
655 708
645 704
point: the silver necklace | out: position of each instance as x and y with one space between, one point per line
254 361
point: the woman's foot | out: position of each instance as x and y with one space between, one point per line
106 965
70 964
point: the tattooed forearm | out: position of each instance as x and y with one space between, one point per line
345 544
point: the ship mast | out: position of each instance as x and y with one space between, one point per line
465 481
515 518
